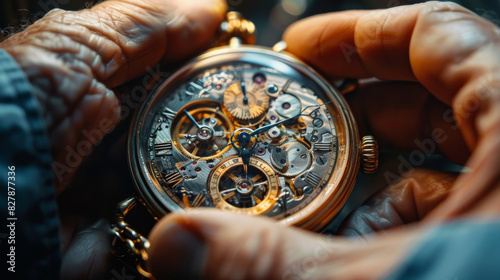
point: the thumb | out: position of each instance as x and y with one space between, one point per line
211 244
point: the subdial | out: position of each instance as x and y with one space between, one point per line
291 159
287 105
251 192
201 130
247 105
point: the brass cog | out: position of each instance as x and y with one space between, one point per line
250 113
253 193
215 132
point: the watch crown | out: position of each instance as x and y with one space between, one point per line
369 154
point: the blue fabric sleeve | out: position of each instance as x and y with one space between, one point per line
24 144
456 251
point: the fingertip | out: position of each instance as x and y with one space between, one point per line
176 252
302 37
192 28
181 241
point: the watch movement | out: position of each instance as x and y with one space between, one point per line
249 130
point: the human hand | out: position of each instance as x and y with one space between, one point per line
439 63
74 61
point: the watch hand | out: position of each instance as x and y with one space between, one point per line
227 191
255 132
243 89
264 183
269 126
187 136
245 169
191 118
245 156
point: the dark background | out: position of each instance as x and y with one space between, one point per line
104 178
270 16
97 190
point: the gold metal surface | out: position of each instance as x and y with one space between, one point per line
369 153
338 181
185 127
251 113
127 241
235 26
267 176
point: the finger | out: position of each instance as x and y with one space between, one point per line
405 116
408 200
210 244
74 59
448 49
119 39
87 249
373 43
174 30
357 43
451 52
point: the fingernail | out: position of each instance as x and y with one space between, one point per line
178 254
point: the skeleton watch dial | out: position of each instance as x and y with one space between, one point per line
246 130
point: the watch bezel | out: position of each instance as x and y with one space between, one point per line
312 216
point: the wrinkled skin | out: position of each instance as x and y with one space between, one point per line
75 60
432 57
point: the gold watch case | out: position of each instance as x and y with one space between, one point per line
159 162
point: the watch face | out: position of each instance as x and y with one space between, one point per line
246 130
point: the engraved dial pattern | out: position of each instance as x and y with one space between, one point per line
249 111
253 192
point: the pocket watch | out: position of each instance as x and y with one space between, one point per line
244 129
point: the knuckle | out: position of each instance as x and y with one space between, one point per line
442 12
54 13
438 6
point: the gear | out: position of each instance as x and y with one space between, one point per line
247 109
253 193
211 131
